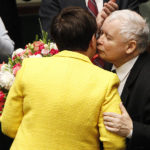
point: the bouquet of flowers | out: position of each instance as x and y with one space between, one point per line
40 48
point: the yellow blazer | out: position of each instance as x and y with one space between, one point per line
57 103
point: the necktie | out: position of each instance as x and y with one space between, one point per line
114 71
92 7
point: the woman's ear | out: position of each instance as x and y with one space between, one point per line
93 42
92 47
131 47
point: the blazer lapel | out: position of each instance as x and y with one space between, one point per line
132 77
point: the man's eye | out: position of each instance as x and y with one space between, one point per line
108 37
98 34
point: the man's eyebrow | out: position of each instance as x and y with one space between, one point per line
108 34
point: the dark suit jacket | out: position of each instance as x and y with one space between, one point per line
50 8
136 99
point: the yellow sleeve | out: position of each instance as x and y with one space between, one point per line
111 103
13 109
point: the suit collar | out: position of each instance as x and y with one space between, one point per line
72 54
132 77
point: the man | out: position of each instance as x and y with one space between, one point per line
123 42
58 102
50 8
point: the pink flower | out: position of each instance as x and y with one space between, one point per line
2 96
41 47
53 51
38 52
45 52
36 48
14 57
2 101
38 45
16 67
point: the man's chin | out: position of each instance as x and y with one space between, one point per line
101 54
103 57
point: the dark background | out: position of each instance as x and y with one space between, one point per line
29 20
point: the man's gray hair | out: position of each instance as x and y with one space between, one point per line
133 27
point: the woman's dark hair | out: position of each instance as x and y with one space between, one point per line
73 28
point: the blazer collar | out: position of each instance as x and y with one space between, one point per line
74 55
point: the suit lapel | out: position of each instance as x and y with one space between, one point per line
132 77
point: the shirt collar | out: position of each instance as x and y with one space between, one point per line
124 70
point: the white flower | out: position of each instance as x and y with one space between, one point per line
5 67
45 51
46 46
18 51
53 45
32 56
6 79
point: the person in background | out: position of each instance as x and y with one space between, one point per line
9 15
123 42
50 8
6 44
58 102
6 49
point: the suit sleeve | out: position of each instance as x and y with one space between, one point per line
129 4
140 136
13 110
48 10
111 103
141 128
143 1
6 44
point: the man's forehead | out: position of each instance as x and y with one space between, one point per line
111 24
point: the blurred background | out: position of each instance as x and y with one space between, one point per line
145 11
28 15
29 19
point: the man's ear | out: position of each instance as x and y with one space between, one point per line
131 47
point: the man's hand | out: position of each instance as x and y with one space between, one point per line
119 124
106 11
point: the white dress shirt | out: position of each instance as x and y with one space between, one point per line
99 4
123 73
